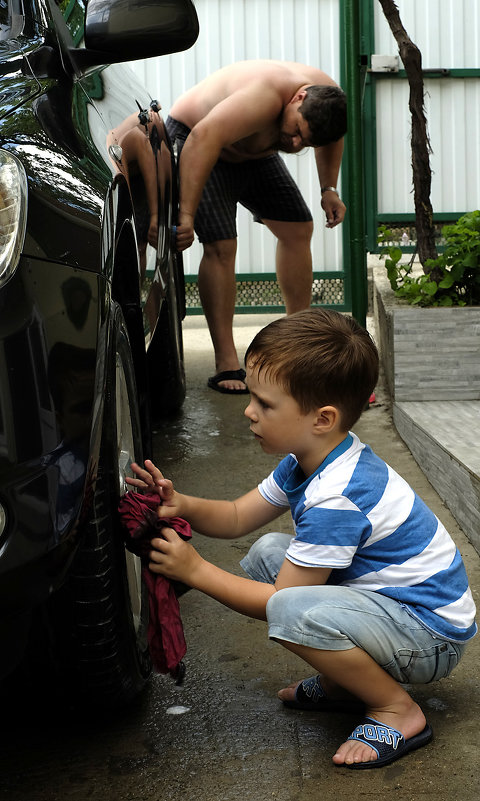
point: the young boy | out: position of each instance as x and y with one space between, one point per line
371 591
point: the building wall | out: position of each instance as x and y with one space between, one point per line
448 35
447 32
232 30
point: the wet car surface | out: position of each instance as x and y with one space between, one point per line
91 354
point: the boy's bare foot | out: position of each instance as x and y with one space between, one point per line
318 694
332 691
409 721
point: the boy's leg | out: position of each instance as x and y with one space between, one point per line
266 556
366 644
385 700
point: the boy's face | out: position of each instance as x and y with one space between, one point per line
276 420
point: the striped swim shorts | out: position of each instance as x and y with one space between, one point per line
263 186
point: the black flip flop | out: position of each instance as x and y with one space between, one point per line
388 743
311 696
228 375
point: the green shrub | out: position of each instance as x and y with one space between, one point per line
452 279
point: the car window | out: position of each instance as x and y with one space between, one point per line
74 14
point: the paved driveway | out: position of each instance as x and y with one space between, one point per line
224 736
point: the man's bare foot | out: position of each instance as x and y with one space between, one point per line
229 381
408 720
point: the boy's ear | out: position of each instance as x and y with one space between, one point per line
326 420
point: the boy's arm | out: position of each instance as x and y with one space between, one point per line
176 559
222 519
226 519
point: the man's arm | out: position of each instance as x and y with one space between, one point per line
243 113
328 159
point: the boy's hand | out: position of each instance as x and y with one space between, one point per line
151 480
173 558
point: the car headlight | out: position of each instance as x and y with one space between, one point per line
13 213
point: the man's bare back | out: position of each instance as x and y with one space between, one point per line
265 86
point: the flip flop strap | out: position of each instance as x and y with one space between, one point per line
378 736
310 690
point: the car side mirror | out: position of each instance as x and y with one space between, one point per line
125 30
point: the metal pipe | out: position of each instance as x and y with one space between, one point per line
354 152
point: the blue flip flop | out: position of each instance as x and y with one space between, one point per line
387 742
311 696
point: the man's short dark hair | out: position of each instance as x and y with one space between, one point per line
325 110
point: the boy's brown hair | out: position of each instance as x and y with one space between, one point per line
321 358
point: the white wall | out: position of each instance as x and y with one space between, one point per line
448 35
232 30
447 32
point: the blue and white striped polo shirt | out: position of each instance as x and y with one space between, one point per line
358 516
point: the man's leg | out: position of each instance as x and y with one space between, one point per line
217 289
293 262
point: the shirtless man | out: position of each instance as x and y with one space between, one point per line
229 129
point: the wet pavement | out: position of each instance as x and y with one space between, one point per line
223 735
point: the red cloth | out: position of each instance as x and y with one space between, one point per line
166 639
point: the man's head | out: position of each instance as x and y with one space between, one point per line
321 358
315 116
325 110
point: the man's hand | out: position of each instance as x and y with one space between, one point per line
174 558
185 233
333 207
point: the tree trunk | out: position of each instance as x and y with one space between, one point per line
412 60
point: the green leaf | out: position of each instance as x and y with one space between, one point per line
395 254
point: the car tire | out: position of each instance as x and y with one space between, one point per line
102 611
165 358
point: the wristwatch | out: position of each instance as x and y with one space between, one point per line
329 189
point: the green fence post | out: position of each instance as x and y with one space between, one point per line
353 144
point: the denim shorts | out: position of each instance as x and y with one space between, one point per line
263 186
337 618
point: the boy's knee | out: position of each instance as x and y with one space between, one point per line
282 608
266 557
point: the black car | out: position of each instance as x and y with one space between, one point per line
91 303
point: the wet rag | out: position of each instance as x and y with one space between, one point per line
166 639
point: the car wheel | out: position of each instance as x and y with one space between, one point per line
166 368
104 606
